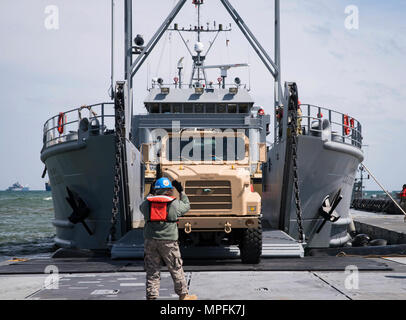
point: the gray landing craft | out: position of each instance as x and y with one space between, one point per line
277 198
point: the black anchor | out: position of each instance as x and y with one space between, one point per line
80 210
327 210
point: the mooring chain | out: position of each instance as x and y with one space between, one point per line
293 128
119 124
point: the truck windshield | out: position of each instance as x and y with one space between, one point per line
205 149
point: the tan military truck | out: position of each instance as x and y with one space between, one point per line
214 170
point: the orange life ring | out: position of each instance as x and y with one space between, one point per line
346 125
61 122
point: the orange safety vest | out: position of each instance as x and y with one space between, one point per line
158 208
403 194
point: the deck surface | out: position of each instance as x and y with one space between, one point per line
106 265
275 243
310 278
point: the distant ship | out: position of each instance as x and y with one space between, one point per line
47 186
18 187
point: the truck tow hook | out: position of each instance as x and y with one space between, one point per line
327 209
188 227
227 227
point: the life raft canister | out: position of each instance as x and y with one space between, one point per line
61 122
158 207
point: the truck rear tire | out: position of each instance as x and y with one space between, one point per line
251 245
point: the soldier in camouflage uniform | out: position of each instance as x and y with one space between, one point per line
161 236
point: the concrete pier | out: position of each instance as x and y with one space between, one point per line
278 285
326 278
381 226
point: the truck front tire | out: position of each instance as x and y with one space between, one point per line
251 245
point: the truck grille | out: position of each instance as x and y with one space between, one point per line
209 195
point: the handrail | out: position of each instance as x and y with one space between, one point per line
82 107
50 129
216 85
347 133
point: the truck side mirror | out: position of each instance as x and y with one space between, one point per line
262 152
145 152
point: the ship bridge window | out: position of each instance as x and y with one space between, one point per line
188 108
232 108
221 108
205 149
210 108
243 108
166 108
154 108
199 108
177 108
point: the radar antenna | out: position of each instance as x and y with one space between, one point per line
198 69
224 68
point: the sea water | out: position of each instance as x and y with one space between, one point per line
26 228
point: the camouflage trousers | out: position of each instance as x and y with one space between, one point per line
167 250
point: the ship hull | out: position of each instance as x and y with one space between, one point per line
86 168
324 168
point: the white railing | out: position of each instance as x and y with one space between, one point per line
344 128
64 126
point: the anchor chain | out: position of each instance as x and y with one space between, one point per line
293 106
119 125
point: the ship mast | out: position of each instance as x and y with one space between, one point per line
198 3
198 60
278 86
273 67
198 69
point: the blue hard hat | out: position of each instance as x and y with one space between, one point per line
163 183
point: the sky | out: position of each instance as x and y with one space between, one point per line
356 71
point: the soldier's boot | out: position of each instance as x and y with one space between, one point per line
188 297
